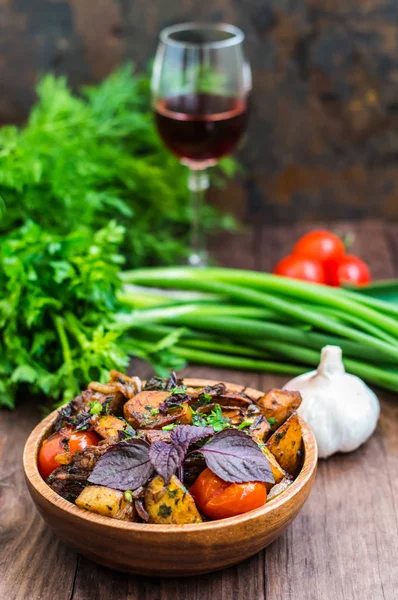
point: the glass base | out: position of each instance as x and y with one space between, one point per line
198 260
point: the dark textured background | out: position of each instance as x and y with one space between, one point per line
323 138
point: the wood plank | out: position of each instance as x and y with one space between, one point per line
245 580
344 542
33 563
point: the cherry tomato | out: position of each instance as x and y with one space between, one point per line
349 269
49 450
320 245
297 267
54 445
218 499
79 440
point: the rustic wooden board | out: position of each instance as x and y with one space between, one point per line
342 545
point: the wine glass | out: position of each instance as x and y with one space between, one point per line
200 90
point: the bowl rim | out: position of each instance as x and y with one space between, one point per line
33 476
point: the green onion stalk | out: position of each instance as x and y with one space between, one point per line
261 322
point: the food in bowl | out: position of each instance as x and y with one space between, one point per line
167 453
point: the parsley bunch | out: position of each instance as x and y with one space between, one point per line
58 294
58 301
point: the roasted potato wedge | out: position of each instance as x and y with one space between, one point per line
233 414
277 471
141 411
285 445
260 429
279 488
138 411
107 502
170 504
108 426
278 405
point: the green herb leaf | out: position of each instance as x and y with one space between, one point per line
169 427
95 407
245 424
178 390
215 419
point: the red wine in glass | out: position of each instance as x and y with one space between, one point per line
201 127
200 86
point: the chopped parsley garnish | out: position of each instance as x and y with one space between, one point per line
271 420
245 424
215 419
206 398
178 390
95 407
128 495
169 427
164 511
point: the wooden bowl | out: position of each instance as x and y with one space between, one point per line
167 550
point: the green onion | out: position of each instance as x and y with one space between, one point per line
250 281
257 321
243 328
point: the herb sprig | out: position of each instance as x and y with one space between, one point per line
215 419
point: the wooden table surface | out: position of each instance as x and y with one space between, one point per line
342 546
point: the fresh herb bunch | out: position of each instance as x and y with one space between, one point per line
58 300
83 160
58 293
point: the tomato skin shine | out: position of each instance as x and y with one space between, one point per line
49 450
61 442
320 245
297 267
349 269
79 440
218 499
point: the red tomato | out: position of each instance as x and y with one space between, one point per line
53 445
79 440
349 269
297 267
320 245
49 450
218 499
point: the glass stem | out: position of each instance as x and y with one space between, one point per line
198 182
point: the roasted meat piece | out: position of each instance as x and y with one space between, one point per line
69 480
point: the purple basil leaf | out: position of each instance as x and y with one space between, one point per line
185 435
125 466
166 458
236 458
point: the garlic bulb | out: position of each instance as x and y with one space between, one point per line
340 409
